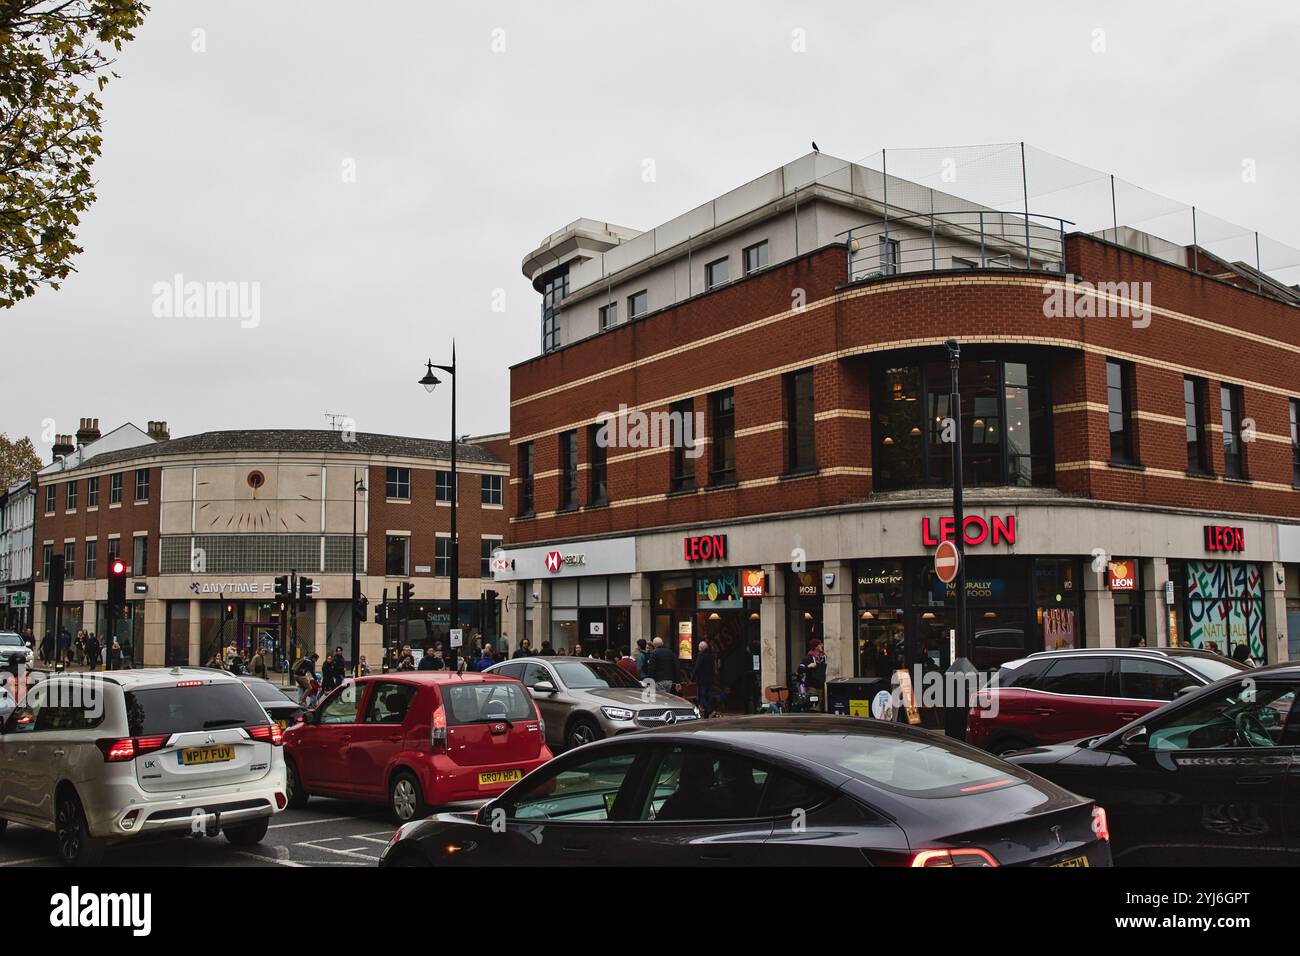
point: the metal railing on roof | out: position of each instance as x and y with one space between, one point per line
966 239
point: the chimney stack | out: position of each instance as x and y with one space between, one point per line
88 432
63 446
158 431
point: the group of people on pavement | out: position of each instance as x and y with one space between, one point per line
85 649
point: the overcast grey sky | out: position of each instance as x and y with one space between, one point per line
228 165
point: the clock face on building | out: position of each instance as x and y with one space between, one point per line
257 511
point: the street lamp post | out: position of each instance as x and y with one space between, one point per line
358 486
956 711
430 381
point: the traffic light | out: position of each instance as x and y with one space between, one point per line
117 583
304 592
228 613
282 588
55 580
381 610
406 592
359 602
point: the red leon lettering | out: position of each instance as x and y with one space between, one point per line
980 533
927 536
1004 529
947 527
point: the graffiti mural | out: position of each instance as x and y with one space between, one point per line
1225 606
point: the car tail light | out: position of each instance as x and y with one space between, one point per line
189 683
271 733
1100 825
121 749
438 735
280 800
962 857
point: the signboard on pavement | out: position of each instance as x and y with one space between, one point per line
457 637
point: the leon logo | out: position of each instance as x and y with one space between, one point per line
76 909
1122 577
751 583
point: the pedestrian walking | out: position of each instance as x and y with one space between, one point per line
525 649
258 664
662 667
627 663
642 656
304 673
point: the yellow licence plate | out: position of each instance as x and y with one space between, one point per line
494 777
1073 861
217 754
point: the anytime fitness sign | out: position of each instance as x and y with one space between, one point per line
975 530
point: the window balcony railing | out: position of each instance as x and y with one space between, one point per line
969 239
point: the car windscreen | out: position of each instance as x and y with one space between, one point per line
10 640
916 768
593 674
156 711
1211 668
487 702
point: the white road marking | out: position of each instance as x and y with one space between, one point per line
305 823
30 859
330 849
270 859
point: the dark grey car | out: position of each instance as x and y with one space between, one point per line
582 699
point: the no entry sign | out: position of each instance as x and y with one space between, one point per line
946 560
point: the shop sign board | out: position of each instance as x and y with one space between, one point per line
1121 574
975 530
704 547
1220 537
753 583
579 558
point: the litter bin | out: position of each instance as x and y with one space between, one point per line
851 696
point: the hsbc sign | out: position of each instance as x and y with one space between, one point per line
556 560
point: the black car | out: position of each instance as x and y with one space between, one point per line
278 705
1208 778
781 790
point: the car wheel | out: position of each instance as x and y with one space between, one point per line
76 846
297 796
581 731
247 834
405 801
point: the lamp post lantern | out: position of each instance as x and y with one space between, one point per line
431 381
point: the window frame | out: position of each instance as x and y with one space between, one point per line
722 433
568 490
759 250
92 491
92 558
443 486
1294 414
139 555
389 540
632 311
442 556
69 560
51 498
794 428
397 479
711 281
681 469
527 458
491 490
70 496
1197 425
598 467
1230 416
608 316
115 484
141 483
1121 394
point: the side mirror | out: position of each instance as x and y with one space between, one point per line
1184 691
543 687
1135 739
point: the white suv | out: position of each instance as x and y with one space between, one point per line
98 758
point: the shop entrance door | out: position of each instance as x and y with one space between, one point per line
258 634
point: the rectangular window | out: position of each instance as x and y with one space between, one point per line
1119 405
72 496
755 257
142 484
596 454
69 560
397 553
801 446
526 478
114 548
140 557
722 410
888 256
51 499
1295 442
442 485
490 489
715 273
1198 452
397 484
569 469
1234 451
47 555
486 547
92 558
682 415
638 304
442 558
115 488
92 492
608 315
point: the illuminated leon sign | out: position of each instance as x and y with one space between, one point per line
975 530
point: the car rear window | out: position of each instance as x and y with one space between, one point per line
486 702
920 768
269 694
1210 668
174 710
592 674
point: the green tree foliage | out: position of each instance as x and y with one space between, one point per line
54 60
18 459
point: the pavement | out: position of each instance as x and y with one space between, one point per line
324 833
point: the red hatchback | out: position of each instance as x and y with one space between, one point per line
416 740
1057 696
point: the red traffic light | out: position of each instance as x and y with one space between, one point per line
117 566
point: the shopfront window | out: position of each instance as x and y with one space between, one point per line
1005 420
1225 607
880 606
708 606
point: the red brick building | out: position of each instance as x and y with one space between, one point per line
1119 409
207 522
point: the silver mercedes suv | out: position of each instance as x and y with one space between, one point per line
101 758
582 699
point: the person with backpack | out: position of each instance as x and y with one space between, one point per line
304 673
